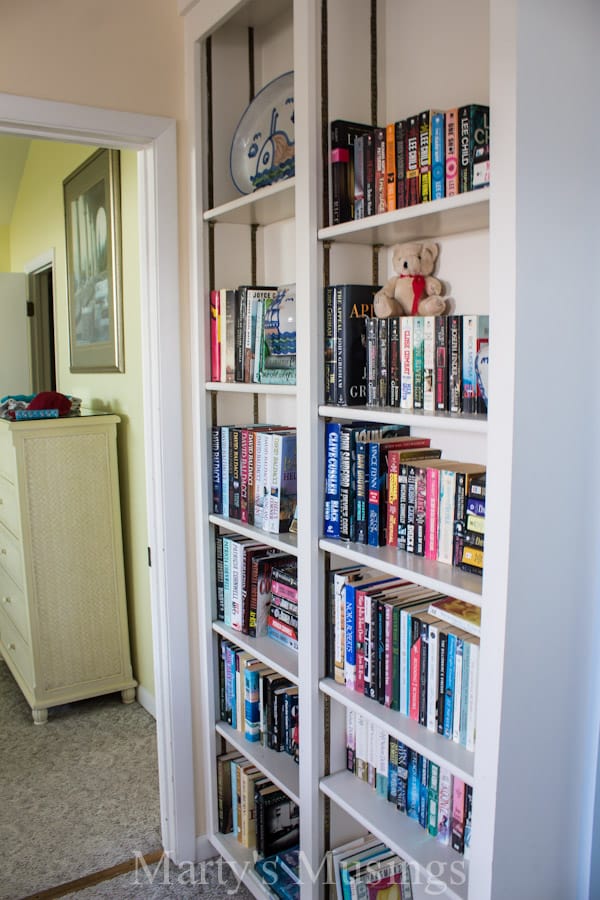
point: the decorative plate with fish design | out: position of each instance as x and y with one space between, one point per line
262 150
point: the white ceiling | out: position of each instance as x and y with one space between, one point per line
13 154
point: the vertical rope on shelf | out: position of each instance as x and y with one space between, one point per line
373 62
251 64
325 113
253 230
209 124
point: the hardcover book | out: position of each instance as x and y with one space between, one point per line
275 361
353 304
474 158
343 134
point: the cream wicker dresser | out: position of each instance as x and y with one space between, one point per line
63 616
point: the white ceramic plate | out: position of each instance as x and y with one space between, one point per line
262 150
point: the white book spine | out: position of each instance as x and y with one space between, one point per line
457 690
406 362
404 662
339 608
472 699
432 677
429 363
226 580
446 516
237 550
225 468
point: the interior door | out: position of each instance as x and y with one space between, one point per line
15 363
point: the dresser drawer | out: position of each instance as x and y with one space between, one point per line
8 459
14 649
12 601
9 507
11 558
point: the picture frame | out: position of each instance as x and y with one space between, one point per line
92 201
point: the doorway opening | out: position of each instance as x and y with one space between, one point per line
40 314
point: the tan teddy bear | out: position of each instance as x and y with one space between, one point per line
413 291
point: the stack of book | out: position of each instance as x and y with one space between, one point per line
470 531
366 868
243 581
254 474
281 873
257 701
427 156
258 813
424 791
253 334
407 647
282 624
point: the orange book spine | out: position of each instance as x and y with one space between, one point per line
390 166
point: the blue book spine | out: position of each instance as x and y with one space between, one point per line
464 693
226 651
234 797
449 687
438 156
476 506
331 517
361 492
225 470
423 770
373 511
216 470
413 789
393 771
402 800
234 723
350 637
252 705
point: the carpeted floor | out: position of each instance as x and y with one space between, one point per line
78 795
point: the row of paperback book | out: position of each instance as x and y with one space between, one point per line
255 584
254 474
258 813
430 363
387 487
281 873
424 791
433 154
390 640
257 701
253 334
366 869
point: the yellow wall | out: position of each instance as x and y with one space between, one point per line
37 226
4 249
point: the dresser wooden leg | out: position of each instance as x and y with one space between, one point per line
40 716
128 695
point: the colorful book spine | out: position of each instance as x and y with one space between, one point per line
406 362
441 363
215 335
454 363
331 517
390 166
445 794
418 362
413 187
400 135
425 155
452 187
438 155
429 363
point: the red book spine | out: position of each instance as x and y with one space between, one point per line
244 475
415 673
283 627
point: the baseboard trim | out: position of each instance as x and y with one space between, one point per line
79 884
145 699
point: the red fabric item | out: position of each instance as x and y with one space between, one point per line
51 400
418 287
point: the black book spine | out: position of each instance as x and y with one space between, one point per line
374 647
393 398
400 134
216 470
460 506
454 363
240 332
402 505
402 798
381 652
219 577
330 348
413 187
235 465
372 385
382 361
441 689
423 674
441 363
370 188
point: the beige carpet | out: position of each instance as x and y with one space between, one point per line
78 795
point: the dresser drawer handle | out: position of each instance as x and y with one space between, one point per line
6 599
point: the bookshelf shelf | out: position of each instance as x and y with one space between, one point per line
241 861
439 576
436 748
285 541
283 390
433 421
401 834
451 215
264 206
269 651
279 767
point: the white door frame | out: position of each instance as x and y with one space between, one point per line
155 139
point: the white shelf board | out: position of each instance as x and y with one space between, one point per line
241 860
283 659
273 203
402 835
238 387
416 418
279 767
441 577
450 215
438 749
286 541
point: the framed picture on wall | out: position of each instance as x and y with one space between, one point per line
92 198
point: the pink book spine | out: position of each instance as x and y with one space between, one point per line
387 695
359 683
451 152
415 669
432 516
245 437
215 337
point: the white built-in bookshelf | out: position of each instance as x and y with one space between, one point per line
429 55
